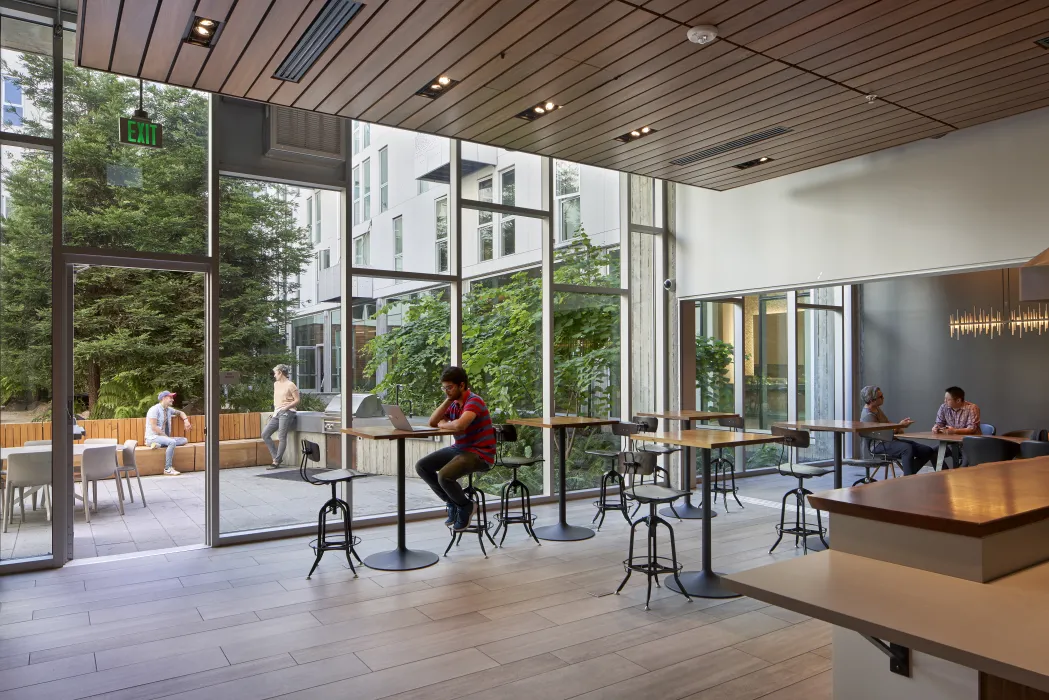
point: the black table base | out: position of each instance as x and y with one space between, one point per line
563 532
700 584
686 511
401 560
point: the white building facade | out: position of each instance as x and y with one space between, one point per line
399 212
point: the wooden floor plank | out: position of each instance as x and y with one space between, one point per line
767 680
786 643
484 680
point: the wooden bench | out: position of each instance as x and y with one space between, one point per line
250 452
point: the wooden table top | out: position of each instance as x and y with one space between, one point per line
827 425
688 414
945 437
706 439
388 432
974 502
563 421
993 627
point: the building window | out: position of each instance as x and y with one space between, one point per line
356 137
442 234
366 135
484 221
507 225
317 218
566 191
357 195
398 243
384 176
12 101
362 250
366 173
309 215
424 185
324 259
508 236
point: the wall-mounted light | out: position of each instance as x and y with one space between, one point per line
636 134
539 110
437 87
202 32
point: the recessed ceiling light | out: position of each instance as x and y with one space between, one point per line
202 32
636 134
437 87
751 163
539 110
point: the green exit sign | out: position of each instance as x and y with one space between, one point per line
138 132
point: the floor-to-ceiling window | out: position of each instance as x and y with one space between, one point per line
715 356
820 388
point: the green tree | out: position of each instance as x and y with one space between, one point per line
502 349
713 358
143 330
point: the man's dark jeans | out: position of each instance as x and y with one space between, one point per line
443 469
911 455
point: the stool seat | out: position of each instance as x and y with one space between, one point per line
659 449
807 471
519 461
655 493
329 476
610 454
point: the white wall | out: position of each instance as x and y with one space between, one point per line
974 198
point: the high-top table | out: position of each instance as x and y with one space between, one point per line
705 583
688 462
839 428
401 558
944 439
562 531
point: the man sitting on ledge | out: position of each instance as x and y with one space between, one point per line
473 451
158 429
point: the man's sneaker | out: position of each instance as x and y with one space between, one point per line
153 445
170 471
464 516
450 508
273 466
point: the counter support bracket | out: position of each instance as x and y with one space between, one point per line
899 656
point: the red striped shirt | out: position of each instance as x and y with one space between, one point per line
479 437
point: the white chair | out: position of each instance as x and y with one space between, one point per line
127 454
26 469
99 463
33 491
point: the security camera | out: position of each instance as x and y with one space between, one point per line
669 285
703 34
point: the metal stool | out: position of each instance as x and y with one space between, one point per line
723 469
794 440
612 478
643 463
648 425
877 461
515 488
311 452
480 520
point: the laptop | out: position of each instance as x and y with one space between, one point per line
399 420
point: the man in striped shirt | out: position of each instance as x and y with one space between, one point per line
473 451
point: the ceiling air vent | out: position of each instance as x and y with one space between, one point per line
295 134
331 20
730 145
1044 43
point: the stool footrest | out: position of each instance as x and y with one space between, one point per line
330 544
652 566
515 519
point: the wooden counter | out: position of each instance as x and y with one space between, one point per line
974 502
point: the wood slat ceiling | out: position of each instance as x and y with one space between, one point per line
615 65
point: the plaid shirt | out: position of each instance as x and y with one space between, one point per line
968 416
